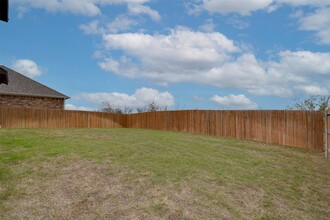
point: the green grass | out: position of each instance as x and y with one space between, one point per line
144 174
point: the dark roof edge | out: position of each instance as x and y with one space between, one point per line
45 96
60 94
4 74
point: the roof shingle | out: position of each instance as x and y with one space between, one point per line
19 84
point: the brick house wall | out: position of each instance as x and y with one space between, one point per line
31 102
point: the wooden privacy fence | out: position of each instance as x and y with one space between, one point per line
304 129
43 118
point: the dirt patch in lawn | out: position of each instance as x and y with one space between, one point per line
80 190
248 198
86 190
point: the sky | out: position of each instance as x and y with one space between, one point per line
179 54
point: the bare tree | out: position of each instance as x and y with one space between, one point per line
313 102
151 107
127 110
107 107
142 109
324 103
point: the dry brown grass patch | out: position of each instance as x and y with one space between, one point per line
84 189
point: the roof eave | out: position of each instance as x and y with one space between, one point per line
39 96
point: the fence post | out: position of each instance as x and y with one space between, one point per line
327 133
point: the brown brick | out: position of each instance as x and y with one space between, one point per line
31 102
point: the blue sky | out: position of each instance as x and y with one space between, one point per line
198 54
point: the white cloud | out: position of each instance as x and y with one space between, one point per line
318 22
92 28
245 8
181 48
294 73
301 71
111 65
193 7
119 24
243 72
234 102
180 56
297 14
241 7
140 98
137 9
27 67
208 26
81 7
238 23
124 67
313 90
184 56
314 3
303 63
80 108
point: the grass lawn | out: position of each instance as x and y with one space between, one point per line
144 174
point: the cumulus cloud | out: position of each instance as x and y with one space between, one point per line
314 3
193 7
137 9
243 8
81 7
140 98
161 56
92 28
318 22
234 102
208 26
298 72
313 90
119 24
80 108
27 67
238 6
185 56
303 63
238 23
